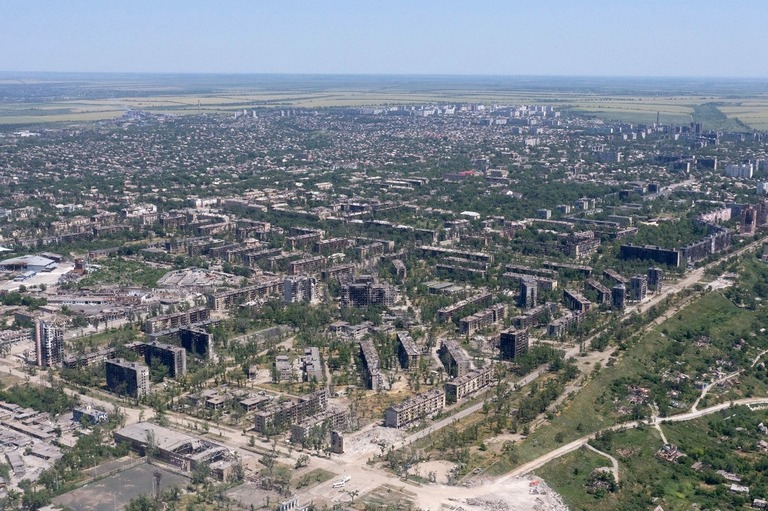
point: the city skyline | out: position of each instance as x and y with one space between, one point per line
554 38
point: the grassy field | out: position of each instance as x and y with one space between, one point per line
570 475
724 441
312 478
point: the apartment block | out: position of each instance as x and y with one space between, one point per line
176 320
320 425
638 288
281 415
49 343
557 328
228 299
513 343
299 288
374 379
446 313
543 282
454 358
414 409
173 357
463 386
307 265
127 378
483 319
407 351
603 293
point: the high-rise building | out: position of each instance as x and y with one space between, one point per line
748 220
299 288
638 288
127 378
49 343
619 296
513 343
655 276
744 170
528 293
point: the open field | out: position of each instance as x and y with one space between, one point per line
722 441
81 98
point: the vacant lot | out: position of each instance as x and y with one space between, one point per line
117 490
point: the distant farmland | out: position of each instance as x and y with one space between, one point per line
731 105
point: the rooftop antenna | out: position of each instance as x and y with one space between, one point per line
657 117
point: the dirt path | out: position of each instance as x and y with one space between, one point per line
572 446
614 461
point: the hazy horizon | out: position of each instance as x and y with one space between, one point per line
555 38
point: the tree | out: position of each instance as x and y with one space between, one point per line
302 461
200 473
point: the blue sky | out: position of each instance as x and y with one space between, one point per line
723 38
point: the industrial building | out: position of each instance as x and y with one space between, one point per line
30 263
177 449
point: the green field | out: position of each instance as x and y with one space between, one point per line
723 441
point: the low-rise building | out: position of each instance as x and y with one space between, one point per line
461 387
415 408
